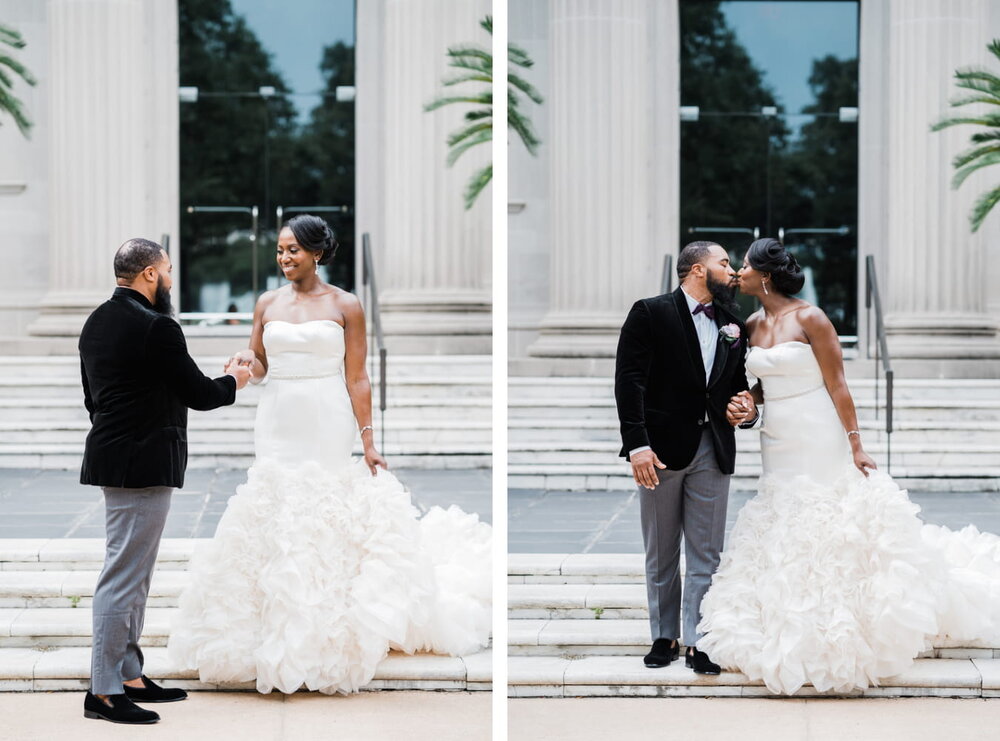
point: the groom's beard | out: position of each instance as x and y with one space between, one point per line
162 304
723 293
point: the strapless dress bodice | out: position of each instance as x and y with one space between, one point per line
785 370
312 349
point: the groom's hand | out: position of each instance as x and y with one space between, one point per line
644 465
740 408
240 372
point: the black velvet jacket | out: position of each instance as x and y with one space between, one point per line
138 382
660 384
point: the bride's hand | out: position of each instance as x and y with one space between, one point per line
863 461
244 357
373 458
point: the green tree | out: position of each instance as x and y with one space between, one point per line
9 66
984 88
475 64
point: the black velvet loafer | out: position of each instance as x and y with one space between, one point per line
121 710
699 661
153 692
664 651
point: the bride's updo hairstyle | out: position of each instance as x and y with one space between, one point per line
768 255
314 234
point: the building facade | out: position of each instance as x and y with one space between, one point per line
104 164
614 188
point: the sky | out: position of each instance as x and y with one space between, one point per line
295 32
784 37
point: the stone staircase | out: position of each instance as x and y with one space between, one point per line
578 626
438 415
563 434
46 591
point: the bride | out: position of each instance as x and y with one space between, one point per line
320 565
829 577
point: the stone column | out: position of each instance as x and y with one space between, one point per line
615 135
936 286
113 159
432 256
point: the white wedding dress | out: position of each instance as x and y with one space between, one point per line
829 578
317 568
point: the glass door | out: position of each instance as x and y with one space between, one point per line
266 118
769 137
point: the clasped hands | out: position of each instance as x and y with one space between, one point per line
741 408
240 367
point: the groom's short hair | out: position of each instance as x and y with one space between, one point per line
134 256
691 255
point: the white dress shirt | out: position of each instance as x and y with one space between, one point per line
708 340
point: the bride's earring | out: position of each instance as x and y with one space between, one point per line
763 284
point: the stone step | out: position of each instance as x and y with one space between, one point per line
410 409
397 366
406 434
82 554
68 669
522 388
903 409
441 388
625 676
540 429
954 460
630 637
74 589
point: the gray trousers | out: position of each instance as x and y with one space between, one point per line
134 522
691 501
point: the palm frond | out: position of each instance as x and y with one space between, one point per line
474 76
985 136
979 98
476 66
10 37
477 183
15 108
485 98
517 55
974 74
525 87
961 160
458 150
989 120
963 173
456 137
19 69
983 207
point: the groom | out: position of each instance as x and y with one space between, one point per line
138 382
680 361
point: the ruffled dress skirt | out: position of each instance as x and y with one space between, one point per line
313 576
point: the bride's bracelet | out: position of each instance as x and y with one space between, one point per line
853 432
366 428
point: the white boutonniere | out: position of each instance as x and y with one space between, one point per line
729 333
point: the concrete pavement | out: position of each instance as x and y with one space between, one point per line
37 503
541 521
919 719
218 716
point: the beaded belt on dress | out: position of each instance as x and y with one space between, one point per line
301 376
768 397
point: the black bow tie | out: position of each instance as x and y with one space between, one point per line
707 308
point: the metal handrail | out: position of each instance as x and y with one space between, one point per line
881 351
667 276
375 323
